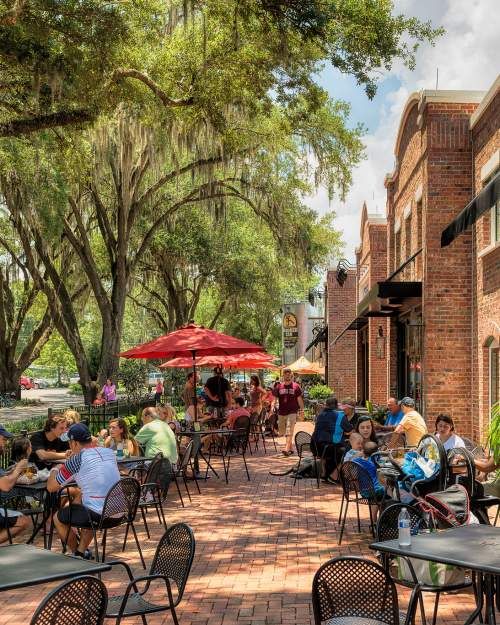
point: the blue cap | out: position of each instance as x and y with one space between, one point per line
80 433
4 433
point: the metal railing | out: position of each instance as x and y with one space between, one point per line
409 271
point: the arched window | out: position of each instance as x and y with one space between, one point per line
493 347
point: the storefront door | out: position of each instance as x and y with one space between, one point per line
409 349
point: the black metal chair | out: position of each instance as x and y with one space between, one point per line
120 508
354 591
79 601
479 502
186 461
172 563
427 446
387 529
305 448
357 486
257 431
232 445
155 488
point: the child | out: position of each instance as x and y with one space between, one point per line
369 448
356 442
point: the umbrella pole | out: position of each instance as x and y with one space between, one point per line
195 397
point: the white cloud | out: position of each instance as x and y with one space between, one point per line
467 57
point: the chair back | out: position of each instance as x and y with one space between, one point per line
467 477
430 443
123 499
355 479
174 556
476 450
239 438
303 442
354 587
154 469
79 601
183 464
159 473
387 526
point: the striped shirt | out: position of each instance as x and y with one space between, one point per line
95 471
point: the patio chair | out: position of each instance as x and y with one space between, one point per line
232 445
357 486
120 508
258 431
79 601
305 448
387 529
479 502
154 489
354 591
171 565
437 482
186 461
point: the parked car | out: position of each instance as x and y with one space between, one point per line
26 383
41 383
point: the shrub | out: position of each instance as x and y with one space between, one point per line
320 391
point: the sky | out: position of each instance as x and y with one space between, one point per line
467 57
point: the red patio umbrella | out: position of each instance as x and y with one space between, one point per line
245 360
192 340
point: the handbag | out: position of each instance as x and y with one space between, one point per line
427 572
447 508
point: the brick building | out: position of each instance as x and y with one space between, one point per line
426 317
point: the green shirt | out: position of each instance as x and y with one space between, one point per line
157 436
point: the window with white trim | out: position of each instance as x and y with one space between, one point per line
495 223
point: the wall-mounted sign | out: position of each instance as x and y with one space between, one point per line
290 330
289 320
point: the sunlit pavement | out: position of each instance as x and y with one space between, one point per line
258 545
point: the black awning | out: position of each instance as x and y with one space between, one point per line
395 292
483 201
321 337
356 324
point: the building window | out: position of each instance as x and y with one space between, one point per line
397 250
495 223
419 224
494 375
408 237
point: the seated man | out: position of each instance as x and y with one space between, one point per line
14 521
47 446
156 436
95 471
239 411
393 418
412 424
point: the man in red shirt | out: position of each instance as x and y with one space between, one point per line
291 404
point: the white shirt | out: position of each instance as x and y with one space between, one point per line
453 442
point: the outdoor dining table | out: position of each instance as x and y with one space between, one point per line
475 547
204 432
26 565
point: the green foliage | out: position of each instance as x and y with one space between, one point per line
493 438
132 374
75 389
320 391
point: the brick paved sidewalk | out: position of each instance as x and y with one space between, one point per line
258 545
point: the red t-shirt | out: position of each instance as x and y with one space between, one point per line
287 395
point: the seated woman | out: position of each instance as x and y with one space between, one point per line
445 431
119 435
328 436
166 413
20 449
366 428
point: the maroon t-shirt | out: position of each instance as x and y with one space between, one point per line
287 395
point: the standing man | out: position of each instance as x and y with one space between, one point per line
291 404
189 390
14 521
218 392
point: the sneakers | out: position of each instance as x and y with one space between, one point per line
287 453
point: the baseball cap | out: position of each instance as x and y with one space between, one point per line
407 401
217 369
80 433
4 433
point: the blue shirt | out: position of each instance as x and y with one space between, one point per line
330 426
394 419
371 469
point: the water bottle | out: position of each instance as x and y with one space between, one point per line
404 536
119 450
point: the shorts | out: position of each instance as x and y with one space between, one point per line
80 516
6 522
286 423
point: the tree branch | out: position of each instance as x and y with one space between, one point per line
18 127
121 73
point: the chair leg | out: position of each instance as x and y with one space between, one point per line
125 538
263 435
436 603
226 470
138 544
298 466
196 482
274 441
104 536
179 490
343 521
174 616
246 467
422 608
145 522
357 514
341 507
186 487
498 515
164 522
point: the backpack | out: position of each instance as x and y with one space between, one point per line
447 508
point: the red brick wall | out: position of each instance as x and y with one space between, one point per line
486 273
341 310
447 313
